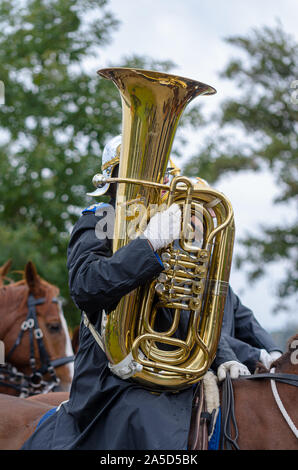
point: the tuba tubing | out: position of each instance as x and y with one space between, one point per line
196 278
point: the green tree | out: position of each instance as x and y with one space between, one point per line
57 116
50 126
263 116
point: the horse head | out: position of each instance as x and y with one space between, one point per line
19 333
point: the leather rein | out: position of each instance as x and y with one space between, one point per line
228 411
32 384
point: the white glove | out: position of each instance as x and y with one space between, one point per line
267 358
275 355
235 369
164 227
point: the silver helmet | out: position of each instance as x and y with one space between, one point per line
110 158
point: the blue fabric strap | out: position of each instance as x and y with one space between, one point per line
213 443
93 208
159 260
47 415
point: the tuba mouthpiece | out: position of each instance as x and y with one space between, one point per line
99 180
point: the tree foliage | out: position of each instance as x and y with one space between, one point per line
257 130
57 116
50 130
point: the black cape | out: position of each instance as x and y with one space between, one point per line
103 411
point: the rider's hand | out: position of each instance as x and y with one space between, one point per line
267 358
235 369
164 227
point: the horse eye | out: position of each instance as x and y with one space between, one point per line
54 327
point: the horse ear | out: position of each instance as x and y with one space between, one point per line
31 276
5 268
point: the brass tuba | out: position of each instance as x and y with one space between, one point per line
195 280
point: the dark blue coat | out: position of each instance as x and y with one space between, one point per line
103 411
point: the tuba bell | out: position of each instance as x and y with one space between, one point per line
195 279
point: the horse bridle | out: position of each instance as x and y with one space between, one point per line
33 383
228 412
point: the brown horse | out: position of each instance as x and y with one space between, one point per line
38 350
260 422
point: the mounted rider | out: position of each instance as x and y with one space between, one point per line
105 411
243 341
